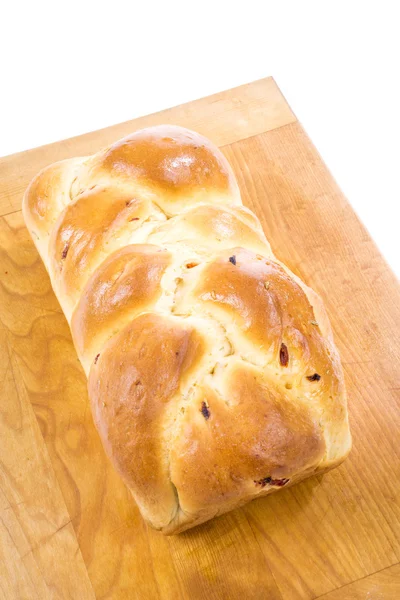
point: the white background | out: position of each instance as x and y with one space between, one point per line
68 68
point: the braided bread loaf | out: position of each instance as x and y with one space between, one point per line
213 376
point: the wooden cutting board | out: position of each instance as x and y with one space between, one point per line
68 527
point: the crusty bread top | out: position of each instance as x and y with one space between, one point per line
213 375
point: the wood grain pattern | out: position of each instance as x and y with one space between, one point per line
305 542
384 585
351 515
252 108
39 553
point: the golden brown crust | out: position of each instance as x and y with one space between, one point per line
175 166
206 228
125 285
265 311
139 373
213 373
47 195
88 230
249 433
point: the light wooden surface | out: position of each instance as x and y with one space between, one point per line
225 118
68 528
384 585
